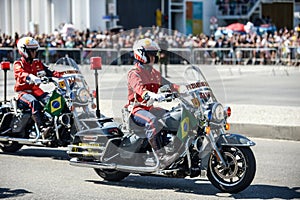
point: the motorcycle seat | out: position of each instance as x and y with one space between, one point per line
129 125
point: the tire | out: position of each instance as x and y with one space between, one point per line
238 175
111 175
10 147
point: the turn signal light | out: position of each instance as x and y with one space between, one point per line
94 93
94 106
227 126
228 111
207 130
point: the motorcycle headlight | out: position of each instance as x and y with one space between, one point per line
217 112
83 95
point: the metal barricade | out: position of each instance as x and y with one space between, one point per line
51 54
179 55
125 57
256 55
213 56
108 55
285 55
290 55
7 54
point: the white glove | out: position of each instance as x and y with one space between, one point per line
34 79
156 97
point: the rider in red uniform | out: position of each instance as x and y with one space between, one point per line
143 84
27 72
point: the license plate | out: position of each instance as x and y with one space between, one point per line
89 145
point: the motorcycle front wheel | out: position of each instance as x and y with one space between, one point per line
10 147
111 175
239 172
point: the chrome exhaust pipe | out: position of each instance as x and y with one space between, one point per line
36 142
125 168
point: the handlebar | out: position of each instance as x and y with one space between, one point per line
169 96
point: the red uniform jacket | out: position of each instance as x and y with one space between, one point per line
22 69
140 80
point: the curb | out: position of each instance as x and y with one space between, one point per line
284 132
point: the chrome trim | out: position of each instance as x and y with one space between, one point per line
37 142
98 165
85 147
215 148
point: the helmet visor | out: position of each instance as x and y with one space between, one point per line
32 50
152 53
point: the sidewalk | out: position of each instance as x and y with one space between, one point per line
274 122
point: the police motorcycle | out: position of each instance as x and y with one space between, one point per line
195 127
69 102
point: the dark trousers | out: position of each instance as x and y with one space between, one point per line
149 119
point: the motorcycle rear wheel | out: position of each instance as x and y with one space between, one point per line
111 175
238 175
10 147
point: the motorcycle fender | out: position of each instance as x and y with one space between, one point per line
234 139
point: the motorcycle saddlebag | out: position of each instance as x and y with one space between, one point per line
6 121
20 121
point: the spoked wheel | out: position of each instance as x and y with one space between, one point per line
239 172
111 175
10 147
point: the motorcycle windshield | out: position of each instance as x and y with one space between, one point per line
72 82
66 65
195 89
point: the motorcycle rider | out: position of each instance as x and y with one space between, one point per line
143 84
28 72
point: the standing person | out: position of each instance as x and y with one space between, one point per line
27 73
163 56
143 84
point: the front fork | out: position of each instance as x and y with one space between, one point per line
213 143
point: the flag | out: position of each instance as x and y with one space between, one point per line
55 104
187 123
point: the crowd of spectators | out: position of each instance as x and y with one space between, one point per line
286 41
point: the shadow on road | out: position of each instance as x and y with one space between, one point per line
8 193
204 187
269 192
57 154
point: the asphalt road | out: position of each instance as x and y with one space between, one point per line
257 85
44 173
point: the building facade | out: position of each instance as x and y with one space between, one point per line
186 16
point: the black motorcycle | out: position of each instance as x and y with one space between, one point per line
64 114
195 128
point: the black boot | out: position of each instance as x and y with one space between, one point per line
44 130
164 159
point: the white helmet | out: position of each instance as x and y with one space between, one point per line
143 47
25 44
